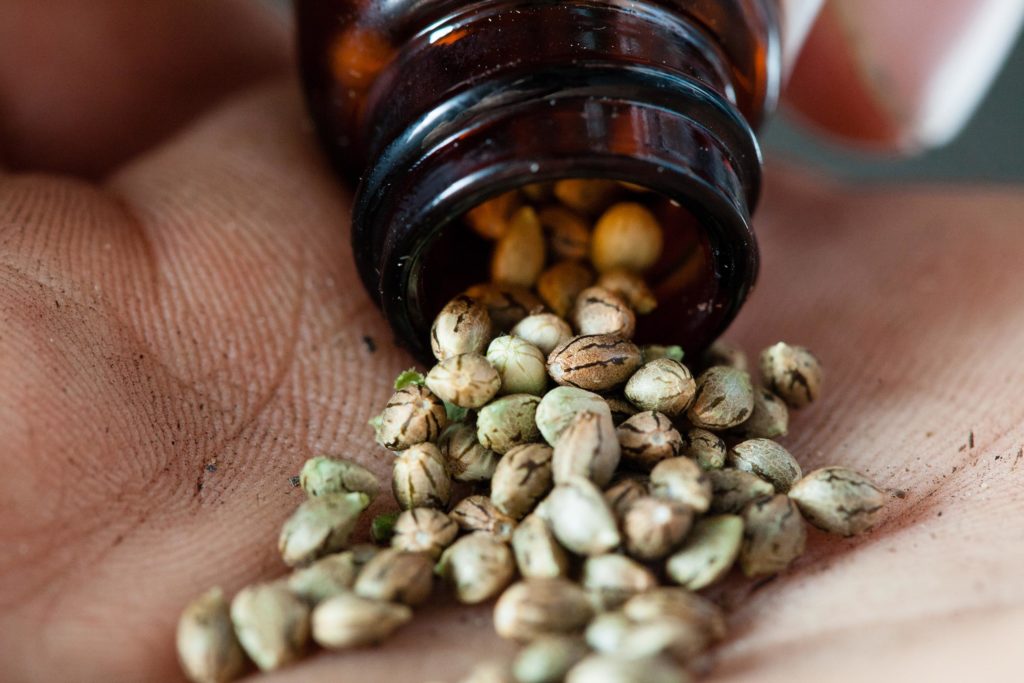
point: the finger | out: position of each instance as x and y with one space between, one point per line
86 84
901 75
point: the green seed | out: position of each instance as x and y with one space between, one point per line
773 536
839 500
328 576
615 669
322 475
548 659
768 460
724 399
520 365
612 579
537 552
382 528
508 422
320 526
560 406
709 552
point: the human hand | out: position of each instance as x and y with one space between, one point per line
182 327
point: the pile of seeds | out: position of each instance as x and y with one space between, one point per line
590 485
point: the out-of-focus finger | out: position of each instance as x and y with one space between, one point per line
86 84
902 75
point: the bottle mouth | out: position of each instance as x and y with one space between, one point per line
675 137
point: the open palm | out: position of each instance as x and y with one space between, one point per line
181 326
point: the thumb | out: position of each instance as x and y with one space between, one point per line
904 75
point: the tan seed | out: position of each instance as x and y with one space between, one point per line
664 385
768 460
462 326
654 527
631 287
709 552
464 456
595 363
479 513
537 553
724 399
581 519
612 579
599 311
725 353
521 479
561 284
586 196
207 647
683 480
320 526
773 536
419 478
792 373
615 669
520 365
560 406
348 620
677 603
326 577
621 409
623 493
468 381
412 415
768 420
478 566
648 438
424 530
489 672
615 634
272 625
396 576
568 234
491 218
588 448
519 255
508 422
839 500
706 448
626 236
543 330
506 304
548 659
732 489
322 475
536 607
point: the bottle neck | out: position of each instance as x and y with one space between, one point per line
623 91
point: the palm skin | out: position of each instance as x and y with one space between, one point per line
182 327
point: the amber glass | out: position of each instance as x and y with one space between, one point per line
433 106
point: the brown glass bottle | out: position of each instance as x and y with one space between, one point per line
434 106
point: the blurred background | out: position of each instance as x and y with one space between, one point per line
991 148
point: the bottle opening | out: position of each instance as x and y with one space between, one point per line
582 221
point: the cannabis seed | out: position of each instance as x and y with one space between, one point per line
613 633
348 620
725 398
792 373
462 326
584 195
580 517
599 311
621 409
519 254
615 669
648 438
733 489
521 366
706 448
508 422
677 603
630 287
560 406
683 480
612 579
653 527
568 234
464 456
626 236
322 475
655 351
623 493
768 460
522 478
419 478
548 659
320 526
491 218
543 330
479 513
326 577
589 448
839 500
561 284
709 552
725 353
537 553
478 566
272 625
424 530
413 415
396 576
596 363
773 536
207 647
468 381
537 607
663 385
768 420
506 304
